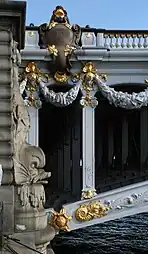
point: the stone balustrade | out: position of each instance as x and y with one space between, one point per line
100 38
125 39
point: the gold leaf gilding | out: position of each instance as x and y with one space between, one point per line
90 211
60 220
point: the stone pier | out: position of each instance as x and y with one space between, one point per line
23 218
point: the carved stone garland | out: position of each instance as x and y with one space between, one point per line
123 100
60 99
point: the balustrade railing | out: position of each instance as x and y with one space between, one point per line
125 39
100 38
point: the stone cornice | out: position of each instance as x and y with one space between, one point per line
90 54
84 54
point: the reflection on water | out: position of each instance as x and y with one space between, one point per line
128 236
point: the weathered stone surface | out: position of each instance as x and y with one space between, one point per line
5 134
7 163
26 239
5 63
5 36
5 92
7 175
5 50
5 106
5 148
7 209
5 119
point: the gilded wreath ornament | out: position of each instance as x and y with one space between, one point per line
60 220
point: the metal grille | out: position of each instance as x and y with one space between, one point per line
121 142
60 139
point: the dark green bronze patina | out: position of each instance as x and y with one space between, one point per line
61 39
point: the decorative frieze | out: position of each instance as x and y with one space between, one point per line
90 211
108 206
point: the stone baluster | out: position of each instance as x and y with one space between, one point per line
106 43
139 40
128 44
117 36
123 45
145 44
111 36
123 40
134 45
100 40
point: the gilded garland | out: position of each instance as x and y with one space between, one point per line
88 81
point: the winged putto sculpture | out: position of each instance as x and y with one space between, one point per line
61 39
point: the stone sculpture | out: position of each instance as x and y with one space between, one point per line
29 175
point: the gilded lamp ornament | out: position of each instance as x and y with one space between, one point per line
90 211
60 221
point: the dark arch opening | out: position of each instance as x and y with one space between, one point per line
121 142
60 137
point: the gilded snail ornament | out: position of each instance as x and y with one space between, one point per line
60 221
90 211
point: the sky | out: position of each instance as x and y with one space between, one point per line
108 14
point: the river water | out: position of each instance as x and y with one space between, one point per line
128 235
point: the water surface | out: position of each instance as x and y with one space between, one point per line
128 235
